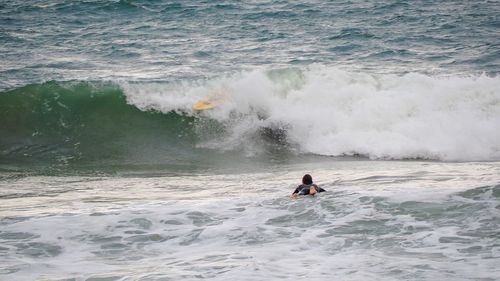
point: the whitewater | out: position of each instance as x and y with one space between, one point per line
328 111
107 172
378 219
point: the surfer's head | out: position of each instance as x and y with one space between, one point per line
307 179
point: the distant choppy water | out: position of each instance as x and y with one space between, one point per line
179 40
107 172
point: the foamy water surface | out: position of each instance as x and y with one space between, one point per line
377 220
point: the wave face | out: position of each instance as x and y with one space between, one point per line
60 123
315 110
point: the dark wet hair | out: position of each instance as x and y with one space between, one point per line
307 179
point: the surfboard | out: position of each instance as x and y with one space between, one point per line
204 105
211 101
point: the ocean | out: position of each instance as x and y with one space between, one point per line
107 172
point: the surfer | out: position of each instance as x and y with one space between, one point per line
307 187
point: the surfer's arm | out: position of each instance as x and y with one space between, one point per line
318 189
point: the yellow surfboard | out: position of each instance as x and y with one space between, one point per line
211 101
204 105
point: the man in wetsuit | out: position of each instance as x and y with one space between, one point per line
307 187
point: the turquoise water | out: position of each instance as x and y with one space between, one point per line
108 173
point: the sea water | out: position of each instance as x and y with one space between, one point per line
107 172
378 220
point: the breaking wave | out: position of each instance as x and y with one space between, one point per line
318 110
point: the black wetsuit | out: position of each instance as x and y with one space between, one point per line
303 189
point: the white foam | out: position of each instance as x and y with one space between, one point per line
329 111
368 225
